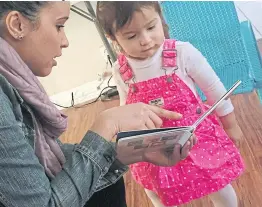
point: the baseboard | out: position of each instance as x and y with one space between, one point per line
85 93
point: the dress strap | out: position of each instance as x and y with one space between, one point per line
125 70
169 53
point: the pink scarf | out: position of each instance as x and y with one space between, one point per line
49 123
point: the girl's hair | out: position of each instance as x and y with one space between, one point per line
29 9
113 15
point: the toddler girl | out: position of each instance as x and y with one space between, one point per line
155 70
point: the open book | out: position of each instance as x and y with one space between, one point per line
135 143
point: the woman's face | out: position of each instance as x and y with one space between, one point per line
42 42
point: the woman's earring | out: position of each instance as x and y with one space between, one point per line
19 37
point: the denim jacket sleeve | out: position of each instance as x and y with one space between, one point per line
23 182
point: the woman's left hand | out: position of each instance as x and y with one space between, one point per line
170 158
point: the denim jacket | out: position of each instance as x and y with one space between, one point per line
90 166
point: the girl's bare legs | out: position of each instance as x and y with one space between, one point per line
226 197
154 198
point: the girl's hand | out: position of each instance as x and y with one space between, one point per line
235 133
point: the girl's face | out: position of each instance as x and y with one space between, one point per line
143 35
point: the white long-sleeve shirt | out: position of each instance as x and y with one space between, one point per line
192 68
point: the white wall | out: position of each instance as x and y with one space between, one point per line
252 11
81 62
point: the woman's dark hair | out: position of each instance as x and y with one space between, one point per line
29 9
113 15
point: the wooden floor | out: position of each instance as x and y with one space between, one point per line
249 115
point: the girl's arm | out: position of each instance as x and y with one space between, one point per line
205 77
228 121
232 128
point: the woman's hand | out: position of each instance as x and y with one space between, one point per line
168 157
172 157
136 116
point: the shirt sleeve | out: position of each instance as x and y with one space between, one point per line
91 165
198 68
120 84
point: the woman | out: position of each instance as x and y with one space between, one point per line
36 169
